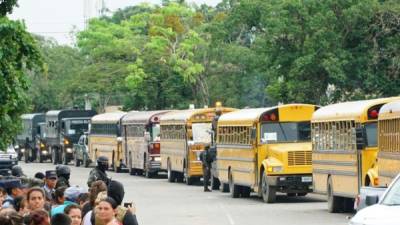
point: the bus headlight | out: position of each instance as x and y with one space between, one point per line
16 147
69 150
275 169
22 150
42 145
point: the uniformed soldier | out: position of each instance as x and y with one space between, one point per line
206 163
214 125
16 171
50 184
99 172
14 188
63 174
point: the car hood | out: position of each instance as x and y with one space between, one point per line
378 215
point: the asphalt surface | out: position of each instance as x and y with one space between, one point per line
160 202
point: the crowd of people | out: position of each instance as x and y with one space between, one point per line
49 198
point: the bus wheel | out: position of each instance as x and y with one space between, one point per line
225 188
245 192
334 202
170 173
234 189
268 191
148 174
302 194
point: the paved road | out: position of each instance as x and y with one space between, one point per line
160 202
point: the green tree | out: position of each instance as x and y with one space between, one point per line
18 55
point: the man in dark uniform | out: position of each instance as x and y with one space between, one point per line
206 163
16 171
99 172
50 184
14 189
63 173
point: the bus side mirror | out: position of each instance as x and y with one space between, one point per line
361 138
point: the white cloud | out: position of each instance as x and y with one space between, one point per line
57 18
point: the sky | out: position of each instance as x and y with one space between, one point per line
59 18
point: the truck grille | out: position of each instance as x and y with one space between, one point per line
299 158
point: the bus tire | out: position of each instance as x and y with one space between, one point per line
170 173
335 203
224 188
268 191
234 189
245 192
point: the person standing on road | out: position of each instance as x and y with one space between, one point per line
99 172
63 175
116 191
16 171
95 189
206 164
50 184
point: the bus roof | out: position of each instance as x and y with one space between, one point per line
141 117
111 117
390 110
30 116
182 116
355 110
247 117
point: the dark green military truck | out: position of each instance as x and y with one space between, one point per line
63 129
27 138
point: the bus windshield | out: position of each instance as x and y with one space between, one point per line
77 126
372 135
285 132
201 132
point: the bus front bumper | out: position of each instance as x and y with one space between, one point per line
292 183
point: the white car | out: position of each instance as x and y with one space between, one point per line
8 158
385 212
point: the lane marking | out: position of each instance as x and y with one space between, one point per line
227 214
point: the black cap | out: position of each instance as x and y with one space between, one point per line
11 183
51 174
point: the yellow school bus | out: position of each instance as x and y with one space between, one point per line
141 142
184 135
266 150
343 161
389 142
105 138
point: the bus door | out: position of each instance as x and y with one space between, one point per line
360 146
